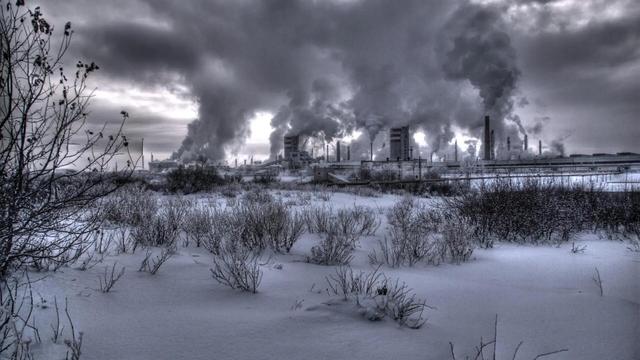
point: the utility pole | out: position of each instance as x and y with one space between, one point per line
142 153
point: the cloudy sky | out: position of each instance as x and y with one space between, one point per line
229 78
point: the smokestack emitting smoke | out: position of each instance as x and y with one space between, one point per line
338 159
348 152
540 147
487 138
526 143
508 143
456 151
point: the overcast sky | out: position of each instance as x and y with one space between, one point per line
222 77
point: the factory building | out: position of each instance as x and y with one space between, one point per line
293 155
291 146
399 144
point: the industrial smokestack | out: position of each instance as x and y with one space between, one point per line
326 154
348 152
508 143
338 159
526 143
540 147
455 151
487 138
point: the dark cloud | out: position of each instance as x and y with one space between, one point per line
327 68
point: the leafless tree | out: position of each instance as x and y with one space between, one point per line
43 134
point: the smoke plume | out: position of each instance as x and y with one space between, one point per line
323 68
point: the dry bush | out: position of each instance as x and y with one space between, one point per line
155 232
410 237
333 249
257 195
324 195
378 296
198 225
353 222
237 267
130 205
317 219
258 225
108 279
16 310
162 229
152 264
457 241
545 211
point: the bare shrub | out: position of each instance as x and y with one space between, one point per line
378 296
155 232
237 267
538 211
577 249
351 223
198 224
109 278
457 241
124 243
324 195
90 260
334 249
598 281
410 238
258 225
131 206
74 344
317 219
162 229
258 196
16 310
634 245
152 264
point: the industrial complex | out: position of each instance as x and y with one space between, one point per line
338 166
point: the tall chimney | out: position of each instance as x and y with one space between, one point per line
526 143
326 154
348 152
487 138
540 147
508 143
455 151
492 147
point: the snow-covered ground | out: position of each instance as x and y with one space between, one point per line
544 296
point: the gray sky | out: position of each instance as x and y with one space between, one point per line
564 71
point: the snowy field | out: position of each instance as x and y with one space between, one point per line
544 296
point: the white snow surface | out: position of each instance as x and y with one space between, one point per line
544 296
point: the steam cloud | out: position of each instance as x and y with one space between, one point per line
324 68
